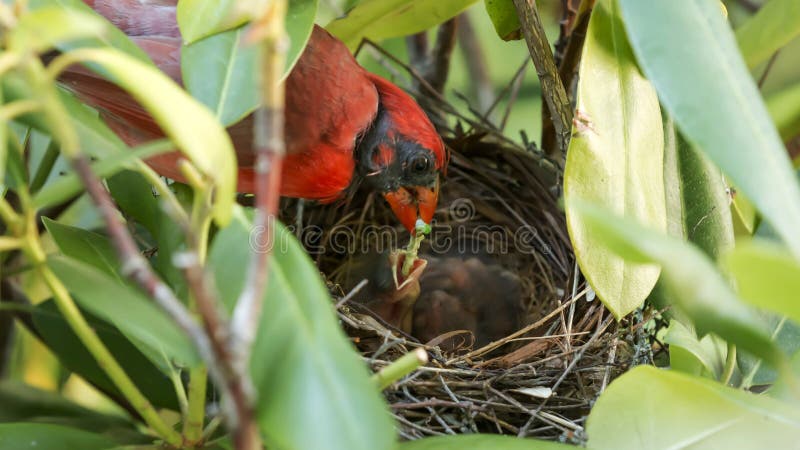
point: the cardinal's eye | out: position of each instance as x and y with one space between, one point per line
420 164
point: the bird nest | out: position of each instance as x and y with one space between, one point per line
517 343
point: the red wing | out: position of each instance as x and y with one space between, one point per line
330 100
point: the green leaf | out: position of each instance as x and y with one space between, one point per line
694 283
776 23
125 307
192 128
85 246
703 204
654 408
40 436
688 52
198 19
481 442
111 35
784 107
504 18
45 28
709 352
615 158
65 344
133 195
767 277
383 19
70 185
786 335
23 403
220 71
201 19
302 365
299 25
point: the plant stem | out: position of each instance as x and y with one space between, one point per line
400 368
411 252
198 377
553 91
193 422
269 147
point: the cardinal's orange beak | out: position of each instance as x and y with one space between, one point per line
411 203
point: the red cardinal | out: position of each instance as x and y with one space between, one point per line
344 125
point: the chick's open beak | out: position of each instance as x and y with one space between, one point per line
410 203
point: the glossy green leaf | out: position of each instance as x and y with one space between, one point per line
125 307
709 351
111 35
134 197
299 24
220 71
615 158
703 205
85 246
784 107
383 19
688 52
65 344
70 185
481 442
41 436
775 24
198 19
24 403
767 277
504 18
302 365
43 29
655 408
193 129
694 283
786 335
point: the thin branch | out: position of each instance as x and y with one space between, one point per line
135 267
480 81
568 66
440 57
433 65
270 148
569 11
553 91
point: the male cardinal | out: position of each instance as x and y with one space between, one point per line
343 124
